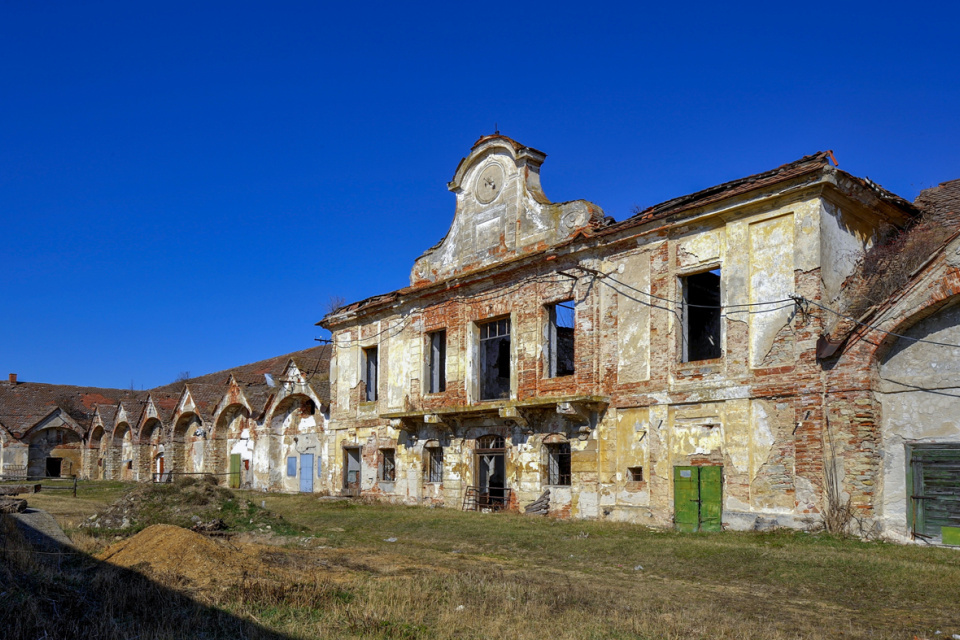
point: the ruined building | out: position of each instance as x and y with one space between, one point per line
688 366
777 350
258 426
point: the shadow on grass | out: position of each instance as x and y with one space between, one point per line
48 589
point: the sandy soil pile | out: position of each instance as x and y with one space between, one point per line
166 549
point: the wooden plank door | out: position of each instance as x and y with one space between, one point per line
235 470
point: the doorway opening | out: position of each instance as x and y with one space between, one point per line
490 491
351 471
53 467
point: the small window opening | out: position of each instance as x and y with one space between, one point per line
388 465
434 464
370 366
701 316
291 467
558 472
560 339
635 474
495 360
438 361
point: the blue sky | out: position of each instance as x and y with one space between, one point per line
183 186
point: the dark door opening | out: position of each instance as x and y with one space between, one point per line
492 492
53 467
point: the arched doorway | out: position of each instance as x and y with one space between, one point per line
185 455
294 417
53 453
148 447
226 459
92 462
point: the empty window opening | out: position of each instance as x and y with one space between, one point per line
495 359
560 332
292 467
558 464
388 465
370 370
434 464
635 474
438 361
701 316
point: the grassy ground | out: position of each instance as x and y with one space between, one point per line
357 570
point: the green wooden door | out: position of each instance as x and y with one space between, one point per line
686 498
711 498
934 480
234 470
698 498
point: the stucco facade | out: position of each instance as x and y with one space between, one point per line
647 398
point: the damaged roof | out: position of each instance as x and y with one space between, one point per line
24 404
812 165
941 202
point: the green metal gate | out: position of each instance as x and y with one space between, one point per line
698 498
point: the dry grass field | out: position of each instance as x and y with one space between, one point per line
307 568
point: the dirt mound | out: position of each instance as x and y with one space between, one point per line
188 502
164 549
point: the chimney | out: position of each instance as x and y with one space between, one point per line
13 379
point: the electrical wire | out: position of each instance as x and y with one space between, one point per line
875 328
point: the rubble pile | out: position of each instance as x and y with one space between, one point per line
191 503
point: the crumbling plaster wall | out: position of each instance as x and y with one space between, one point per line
919 392
757 410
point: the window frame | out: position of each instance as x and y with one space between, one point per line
559 470
387 467
552 351
434 465
371 394
504 329
437 361
689 309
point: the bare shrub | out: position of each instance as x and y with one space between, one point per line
887 266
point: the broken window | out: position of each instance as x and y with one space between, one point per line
635 474
495 359
434 464
388 465
558 463
437 362
370 366
560 332
701 316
